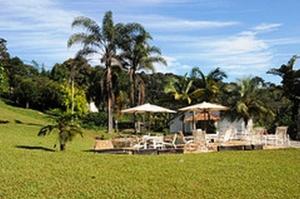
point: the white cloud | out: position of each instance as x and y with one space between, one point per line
40 28
173 66
238 44
264 27
163 23
238 54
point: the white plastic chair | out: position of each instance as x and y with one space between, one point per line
280 136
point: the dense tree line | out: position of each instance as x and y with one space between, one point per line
123 80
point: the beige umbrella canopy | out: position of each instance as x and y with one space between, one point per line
148 108
204 107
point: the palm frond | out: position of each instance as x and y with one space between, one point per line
85 39
87 23
108 29
86 51
46 130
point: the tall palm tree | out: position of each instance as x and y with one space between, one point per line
291 87
137 54
65 128
101 41
4 55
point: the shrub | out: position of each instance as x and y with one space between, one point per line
94 120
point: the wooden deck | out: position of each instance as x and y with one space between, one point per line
138 152
240 147
173 151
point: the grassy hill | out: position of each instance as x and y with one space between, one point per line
24 125
29 170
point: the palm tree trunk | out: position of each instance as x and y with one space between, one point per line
109 100
132 89
72 93
133 95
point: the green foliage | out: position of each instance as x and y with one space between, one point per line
197 87
290 85
208 88
80 102
94 120
4 55
78 69
180 89
246 101
3 80
66 127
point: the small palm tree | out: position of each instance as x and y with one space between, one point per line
65 128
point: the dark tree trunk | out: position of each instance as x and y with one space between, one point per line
132 89
62 147
298 123
296 117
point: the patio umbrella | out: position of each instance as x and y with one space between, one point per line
205 107
148 108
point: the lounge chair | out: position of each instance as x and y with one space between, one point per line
280 136
155 142
226 136
258 135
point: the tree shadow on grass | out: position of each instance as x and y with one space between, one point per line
35 148
26 123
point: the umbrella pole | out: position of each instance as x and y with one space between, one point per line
194 123
135 123
144 128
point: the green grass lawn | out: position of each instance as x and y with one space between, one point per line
37 173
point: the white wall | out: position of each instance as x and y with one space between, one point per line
176 124
222 125
237 125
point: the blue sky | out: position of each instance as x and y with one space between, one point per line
241 37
